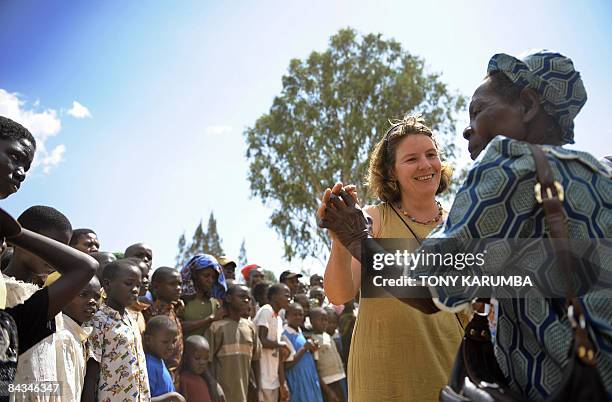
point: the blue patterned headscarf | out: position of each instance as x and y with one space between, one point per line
198 263
553 76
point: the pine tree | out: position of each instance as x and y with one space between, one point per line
213 244
242 256
199 241
208 242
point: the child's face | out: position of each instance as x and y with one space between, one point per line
256 276
293 283
282 298
229 270
103 260
88 243
161 343
144 278
168 287
124 287
239 300
295 316
318 295
204 278
302 299
196 358
142 252
319 322
332 322
15 160
85 304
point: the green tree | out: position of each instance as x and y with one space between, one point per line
208 242
213 240
332 109
199 242
242 256
269 276
180 257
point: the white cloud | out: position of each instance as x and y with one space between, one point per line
78 111
218 130
42 124
53 158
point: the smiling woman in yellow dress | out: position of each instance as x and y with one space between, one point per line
398 354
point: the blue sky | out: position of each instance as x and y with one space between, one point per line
166 89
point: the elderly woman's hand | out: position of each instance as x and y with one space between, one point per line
335 190
344 218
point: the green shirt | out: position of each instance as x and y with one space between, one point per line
198 309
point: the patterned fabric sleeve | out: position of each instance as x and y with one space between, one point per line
498 189
96 339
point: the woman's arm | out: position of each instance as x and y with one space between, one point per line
342 278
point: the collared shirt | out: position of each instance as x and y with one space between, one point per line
117 346
27 322
268 318
60 357
329 362
233 346
72 354
497 201
137 311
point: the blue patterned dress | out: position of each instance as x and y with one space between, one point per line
497 201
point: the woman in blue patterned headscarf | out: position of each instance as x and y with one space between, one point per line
532 100
193 269
203 289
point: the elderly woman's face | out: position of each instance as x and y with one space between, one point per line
492 115
417 165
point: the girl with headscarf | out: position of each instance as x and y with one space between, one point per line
203 289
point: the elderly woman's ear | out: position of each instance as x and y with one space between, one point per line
530 101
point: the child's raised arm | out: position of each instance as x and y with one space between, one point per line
76 267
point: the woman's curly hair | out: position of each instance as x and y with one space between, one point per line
380 180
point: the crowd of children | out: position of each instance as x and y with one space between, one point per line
80 324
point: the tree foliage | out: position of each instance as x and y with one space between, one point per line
332 109
208 242
269 276
213 244
242 256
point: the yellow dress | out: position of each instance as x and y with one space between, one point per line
399 354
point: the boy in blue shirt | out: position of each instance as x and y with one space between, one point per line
159 339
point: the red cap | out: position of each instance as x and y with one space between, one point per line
246 271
